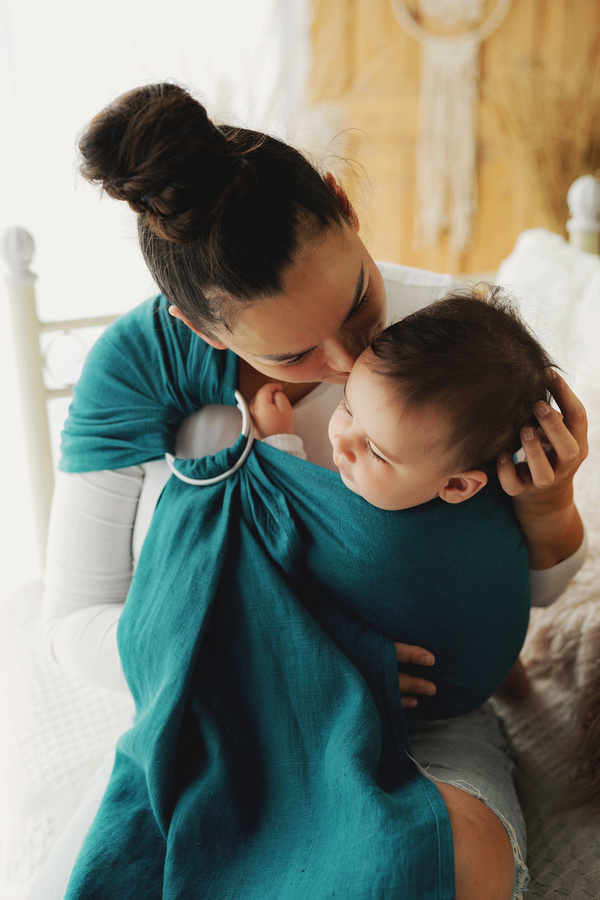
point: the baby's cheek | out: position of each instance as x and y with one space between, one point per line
331 430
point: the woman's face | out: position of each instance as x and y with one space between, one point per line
332 305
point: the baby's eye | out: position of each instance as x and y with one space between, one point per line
373 453
344 407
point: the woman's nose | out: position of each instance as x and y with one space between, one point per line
342 354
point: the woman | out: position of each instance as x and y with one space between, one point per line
209 202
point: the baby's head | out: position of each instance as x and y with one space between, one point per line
436 398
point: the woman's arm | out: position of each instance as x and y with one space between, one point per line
542 487
89 570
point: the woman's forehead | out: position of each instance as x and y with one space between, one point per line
320 290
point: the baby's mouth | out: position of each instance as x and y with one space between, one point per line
342 470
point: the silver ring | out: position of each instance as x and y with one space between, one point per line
248 433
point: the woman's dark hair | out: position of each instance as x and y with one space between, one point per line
222 211
472 358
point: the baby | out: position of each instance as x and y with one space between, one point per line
429 407
431 404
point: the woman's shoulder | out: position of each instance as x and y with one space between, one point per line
141 378
145 324
156 353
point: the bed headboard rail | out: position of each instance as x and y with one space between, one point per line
18 248
583 199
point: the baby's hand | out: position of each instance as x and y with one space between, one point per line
272 411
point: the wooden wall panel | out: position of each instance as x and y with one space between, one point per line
365 62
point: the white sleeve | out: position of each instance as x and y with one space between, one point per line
289 443
548 584
89 570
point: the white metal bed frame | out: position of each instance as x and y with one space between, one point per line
17 247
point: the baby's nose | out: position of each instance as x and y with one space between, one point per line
342 444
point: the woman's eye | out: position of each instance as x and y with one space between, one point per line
296 360
365 299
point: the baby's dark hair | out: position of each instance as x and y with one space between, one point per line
472 358
222 211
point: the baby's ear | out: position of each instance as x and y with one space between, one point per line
461 487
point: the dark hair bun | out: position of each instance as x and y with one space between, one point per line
156 148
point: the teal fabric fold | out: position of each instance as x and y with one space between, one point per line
269 756
145 374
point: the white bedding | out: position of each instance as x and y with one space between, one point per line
56 730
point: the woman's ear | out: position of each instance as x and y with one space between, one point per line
461 487
343 202
177 314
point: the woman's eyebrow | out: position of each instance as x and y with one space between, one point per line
358 290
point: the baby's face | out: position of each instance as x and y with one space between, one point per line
393 458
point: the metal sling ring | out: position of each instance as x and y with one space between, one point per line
247 431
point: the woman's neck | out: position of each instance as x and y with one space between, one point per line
251 381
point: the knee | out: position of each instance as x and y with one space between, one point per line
483 856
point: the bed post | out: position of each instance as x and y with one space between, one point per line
584 205
18 248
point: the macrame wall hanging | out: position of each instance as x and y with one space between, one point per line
446 188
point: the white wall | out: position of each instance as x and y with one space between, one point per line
60 63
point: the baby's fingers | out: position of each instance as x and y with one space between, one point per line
267 394
280 400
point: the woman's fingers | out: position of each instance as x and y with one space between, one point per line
540 471
411 685
409 653
508 477
569 430
565 435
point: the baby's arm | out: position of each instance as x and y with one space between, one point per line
273 419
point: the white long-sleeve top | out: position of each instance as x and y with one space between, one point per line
99 519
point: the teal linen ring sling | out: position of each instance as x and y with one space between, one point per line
269 758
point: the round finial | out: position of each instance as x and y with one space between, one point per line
17 248
583 198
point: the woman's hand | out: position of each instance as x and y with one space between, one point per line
410 684
542 486
271 411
